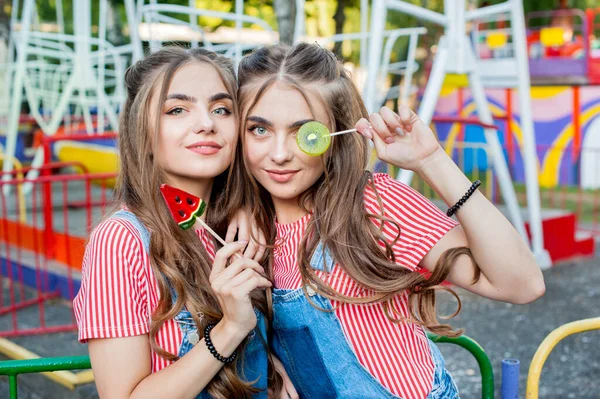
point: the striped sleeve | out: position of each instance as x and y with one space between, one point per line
421 223
112 300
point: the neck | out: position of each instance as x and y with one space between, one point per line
199 187
288 210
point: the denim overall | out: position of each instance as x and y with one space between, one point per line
311 345
254 365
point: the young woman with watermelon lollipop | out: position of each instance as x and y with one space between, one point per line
153 293
358 257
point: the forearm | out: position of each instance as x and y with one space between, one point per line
502 255
188 376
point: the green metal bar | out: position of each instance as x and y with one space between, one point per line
12 368
485 366
12 382
40 365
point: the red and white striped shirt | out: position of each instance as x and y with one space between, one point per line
119 292
398 355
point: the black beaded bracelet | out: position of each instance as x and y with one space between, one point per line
464 199
212 349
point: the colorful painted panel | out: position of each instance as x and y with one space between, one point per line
566 123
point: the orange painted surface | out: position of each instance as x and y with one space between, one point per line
68 249
576 122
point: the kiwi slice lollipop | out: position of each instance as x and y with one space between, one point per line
313 138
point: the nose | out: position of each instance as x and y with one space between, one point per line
204 123
282 152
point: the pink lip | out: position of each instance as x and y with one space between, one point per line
282 176
205 147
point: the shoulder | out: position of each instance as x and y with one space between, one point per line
115 239
115 229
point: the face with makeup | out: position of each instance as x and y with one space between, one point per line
198 131
270 148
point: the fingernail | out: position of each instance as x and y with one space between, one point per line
399 131
389 140
243 242
368 133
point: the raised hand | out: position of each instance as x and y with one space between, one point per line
401 139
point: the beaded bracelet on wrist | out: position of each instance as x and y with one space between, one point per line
464 199
212 349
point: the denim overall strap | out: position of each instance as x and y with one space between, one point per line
253 366
311 344
444 386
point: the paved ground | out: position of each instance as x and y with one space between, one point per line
504 331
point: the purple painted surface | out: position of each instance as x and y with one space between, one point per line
557 67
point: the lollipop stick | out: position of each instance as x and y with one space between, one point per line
343 132
217 237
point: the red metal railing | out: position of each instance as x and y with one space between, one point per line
593 16
41 261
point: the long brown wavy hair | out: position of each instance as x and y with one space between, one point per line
347 231
177 258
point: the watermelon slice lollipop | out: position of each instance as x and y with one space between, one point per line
184 207
314 138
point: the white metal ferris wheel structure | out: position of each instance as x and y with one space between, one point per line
61 75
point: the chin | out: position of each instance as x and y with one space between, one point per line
204 171
285 195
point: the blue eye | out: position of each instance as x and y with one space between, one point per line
175 111
222 111
259 131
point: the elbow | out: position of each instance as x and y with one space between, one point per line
532 290
530 281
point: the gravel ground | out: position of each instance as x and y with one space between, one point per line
504 331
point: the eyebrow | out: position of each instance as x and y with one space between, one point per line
182 97
260 120
191 99
266 122
220 96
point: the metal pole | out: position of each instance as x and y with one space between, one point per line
491 137
82 22
299 28
378 17
431 95
194 23
364 30
411 67
239 11
133 22
418 12
100 89
510 379
12 128
529 148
